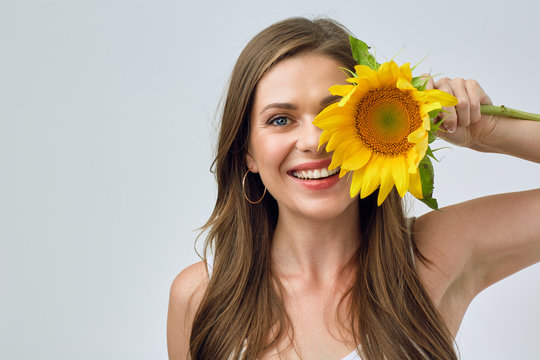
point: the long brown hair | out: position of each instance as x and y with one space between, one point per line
241 314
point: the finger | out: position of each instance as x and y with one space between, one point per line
477 97
474 92
463 107
448 116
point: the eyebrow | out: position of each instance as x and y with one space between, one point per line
330 100
287 106
324 102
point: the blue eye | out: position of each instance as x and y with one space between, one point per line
279 121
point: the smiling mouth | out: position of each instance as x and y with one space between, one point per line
315 174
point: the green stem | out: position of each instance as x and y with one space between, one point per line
506 111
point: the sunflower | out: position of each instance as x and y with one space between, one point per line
379 129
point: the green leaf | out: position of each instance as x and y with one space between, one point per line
431 137
435 126
431 203
361 54
433 113
429 153
419 82
427 179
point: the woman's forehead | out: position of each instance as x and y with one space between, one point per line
306 74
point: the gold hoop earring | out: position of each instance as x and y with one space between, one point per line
244 190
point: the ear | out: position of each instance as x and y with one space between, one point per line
251 163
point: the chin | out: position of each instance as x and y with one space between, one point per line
324 209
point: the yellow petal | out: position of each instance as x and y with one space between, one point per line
356 156
333 120
432 95
364 71
401 175
387 182
418 151
372 175
338 138
340 90
325 136
415 186
388 73
354 80
426 108
336 109
347 96
421 147
417 135
413 160
366 84
405 71
366 79
426 123
331 109
339 153
404 84
356 182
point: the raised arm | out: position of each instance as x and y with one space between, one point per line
478 242
488 133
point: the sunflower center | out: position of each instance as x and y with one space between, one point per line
384 118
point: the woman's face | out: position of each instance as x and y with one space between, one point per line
283 142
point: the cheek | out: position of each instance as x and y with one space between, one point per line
270 152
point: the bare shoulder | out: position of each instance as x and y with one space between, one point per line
189 282
187 291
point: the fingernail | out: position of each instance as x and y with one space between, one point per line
452 129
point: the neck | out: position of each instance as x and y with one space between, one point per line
315 249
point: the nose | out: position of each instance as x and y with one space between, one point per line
308 138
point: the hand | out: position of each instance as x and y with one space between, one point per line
463 124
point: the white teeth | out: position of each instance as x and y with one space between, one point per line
315 173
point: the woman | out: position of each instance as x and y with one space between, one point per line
302 271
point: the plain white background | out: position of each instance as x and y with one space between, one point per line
107 128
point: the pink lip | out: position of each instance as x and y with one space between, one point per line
319 184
